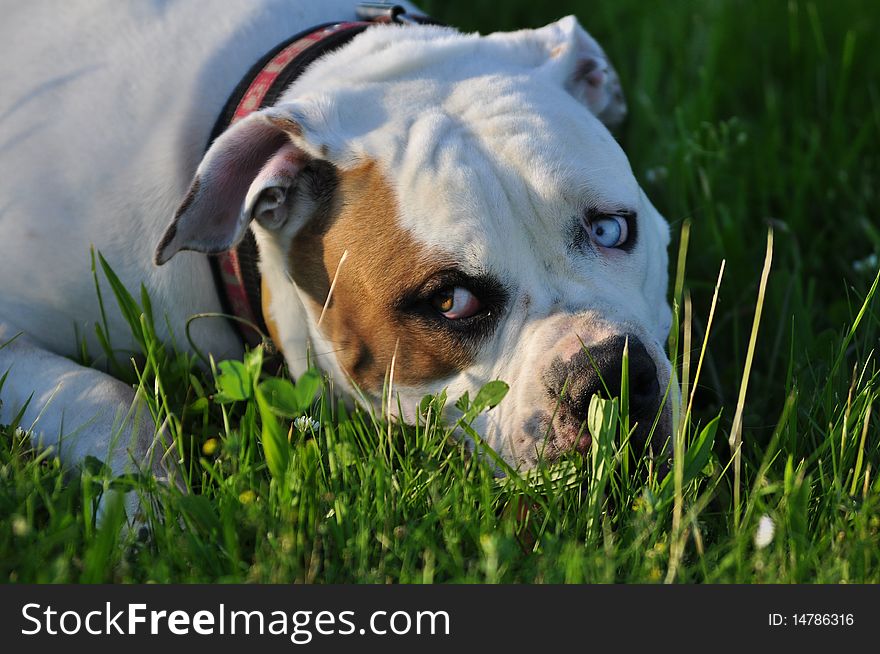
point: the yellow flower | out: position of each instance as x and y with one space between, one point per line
20 527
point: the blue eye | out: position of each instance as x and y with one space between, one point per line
609 231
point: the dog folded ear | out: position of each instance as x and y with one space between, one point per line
585 69
245 175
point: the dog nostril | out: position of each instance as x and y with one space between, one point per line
598 371
643 382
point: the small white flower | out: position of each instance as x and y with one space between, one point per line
656 175
764 532
866 265
305 423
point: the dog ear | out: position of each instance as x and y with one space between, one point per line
245 175
585 69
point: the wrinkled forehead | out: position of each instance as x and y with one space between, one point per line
475 134
523 164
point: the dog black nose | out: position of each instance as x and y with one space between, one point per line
597 370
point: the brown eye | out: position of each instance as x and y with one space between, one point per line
456 303
444 301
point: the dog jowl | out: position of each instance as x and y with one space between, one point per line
475 218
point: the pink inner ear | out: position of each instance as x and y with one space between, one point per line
210 219
227 177
592 70
279 172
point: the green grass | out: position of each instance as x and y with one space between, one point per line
743 117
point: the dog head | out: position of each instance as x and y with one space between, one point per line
439 210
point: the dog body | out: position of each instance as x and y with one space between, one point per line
433 210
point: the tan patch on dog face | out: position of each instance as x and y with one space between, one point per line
364 321
266 297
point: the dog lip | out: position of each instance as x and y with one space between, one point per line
583 444
561 434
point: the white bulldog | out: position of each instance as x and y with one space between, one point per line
478 218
